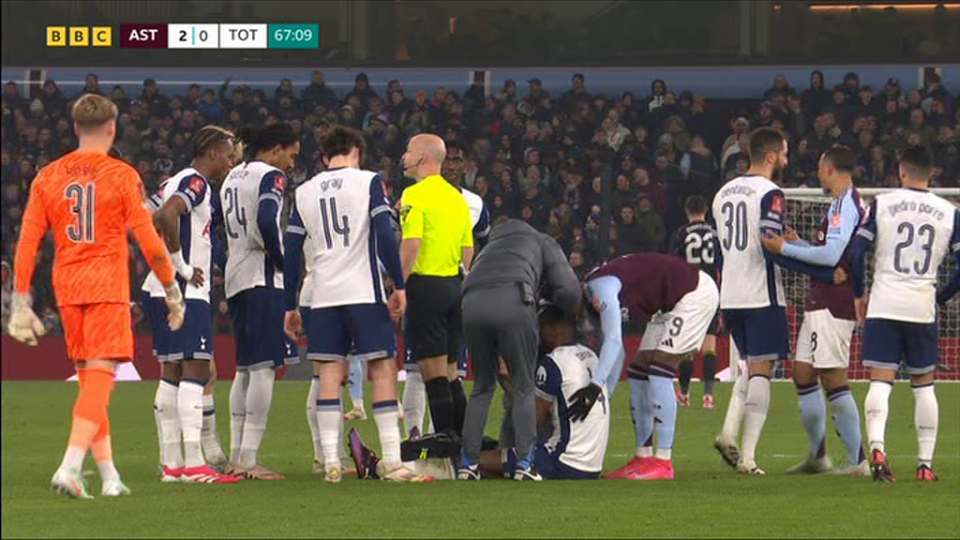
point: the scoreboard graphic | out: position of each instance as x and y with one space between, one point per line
189 36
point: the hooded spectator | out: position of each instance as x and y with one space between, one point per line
54 102
658 91
815 98
362 90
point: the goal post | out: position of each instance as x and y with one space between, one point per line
804 210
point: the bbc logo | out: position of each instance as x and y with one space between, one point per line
79 36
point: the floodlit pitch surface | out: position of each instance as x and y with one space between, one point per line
707 499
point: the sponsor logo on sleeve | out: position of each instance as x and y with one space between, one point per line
776 204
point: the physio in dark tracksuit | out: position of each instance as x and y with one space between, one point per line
499 306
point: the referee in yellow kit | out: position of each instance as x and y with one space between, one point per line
437 239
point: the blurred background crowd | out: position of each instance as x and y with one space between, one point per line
531 154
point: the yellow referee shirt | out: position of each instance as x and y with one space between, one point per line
437 213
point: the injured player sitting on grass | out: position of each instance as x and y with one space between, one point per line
566 449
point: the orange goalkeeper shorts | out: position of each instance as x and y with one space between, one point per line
98 332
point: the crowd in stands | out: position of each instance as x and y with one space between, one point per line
530 154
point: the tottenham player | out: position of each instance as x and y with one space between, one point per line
751 290
823 345
680 301
343 212
183 220
696 243
251 199
313 395
913 230
568 449
414 392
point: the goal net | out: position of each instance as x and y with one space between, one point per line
805 208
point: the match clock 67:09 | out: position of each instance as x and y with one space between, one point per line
294 36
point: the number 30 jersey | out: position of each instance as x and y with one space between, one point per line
695 243
334 210
744 209
252 260
913 231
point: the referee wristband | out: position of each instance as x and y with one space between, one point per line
181 266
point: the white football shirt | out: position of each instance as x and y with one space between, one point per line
913 231
742 208
335 209
248 264
581 445
193 188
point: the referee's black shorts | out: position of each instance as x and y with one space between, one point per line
433 317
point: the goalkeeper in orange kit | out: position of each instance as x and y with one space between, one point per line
89 201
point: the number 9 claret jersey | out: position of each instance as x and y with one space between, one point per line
248 263
696 243
913 231
743 209
335 210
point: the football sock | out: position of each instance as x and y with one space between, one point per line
664 406
209 437
640 411
102 451
414 402
755 414
686 372
329 416
165 406
259 398
709 372
190 412
925 417
441 403
846 420
89 412
385 415
312 396
813 414
876 409
358 374
238 412
459 405
731 422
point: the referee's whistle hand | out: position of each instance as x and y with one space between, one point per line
398 304
293 324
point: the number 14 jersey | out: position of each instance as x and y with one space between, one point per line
743 209
335 209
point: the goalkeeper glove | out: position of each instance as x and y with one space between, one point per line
175 306
582 401
24 324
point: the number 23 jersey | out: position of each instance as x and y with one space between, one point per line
335 210
696 243
914 230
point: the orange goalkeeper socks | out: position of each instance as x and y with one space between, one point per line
89 414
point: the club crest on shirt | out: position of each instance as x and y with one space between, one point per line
279 182
835 220
541 376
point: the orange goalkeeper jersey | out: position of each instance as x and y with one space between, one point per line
89 200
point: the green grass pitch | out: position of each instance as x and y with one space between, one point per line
707 499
